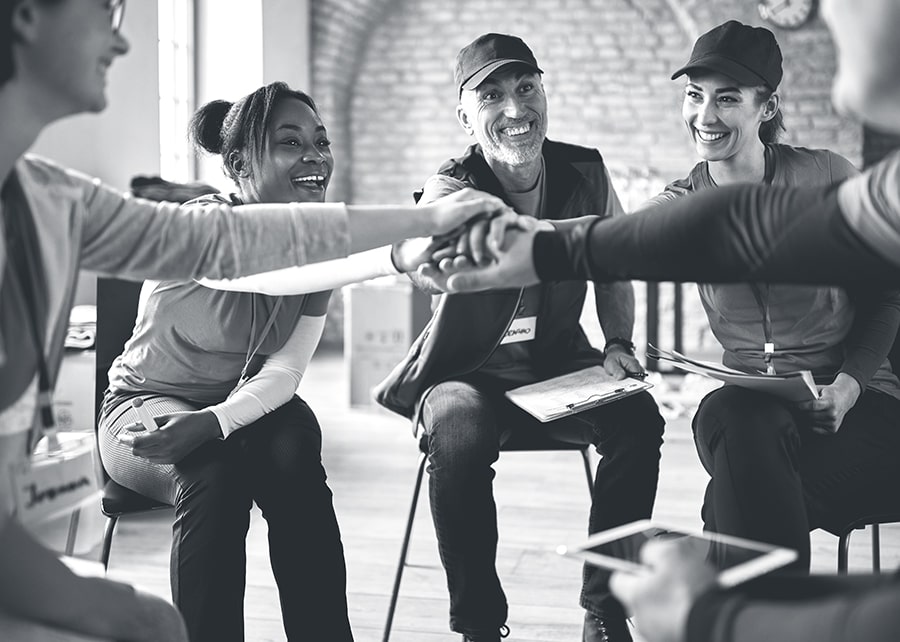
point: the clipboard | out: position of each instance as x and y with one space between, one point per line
572 393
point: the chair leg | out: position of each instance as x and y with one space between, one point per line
876 549
404 548
586 458
73 531
111 522
843 551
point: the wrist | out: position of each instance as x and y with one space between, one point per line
397 259
621 344
848 383
212 429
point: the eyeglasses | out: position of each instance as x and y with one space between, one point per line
116 14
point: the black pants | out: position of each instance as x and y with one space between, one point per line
774 479
276 462
467 421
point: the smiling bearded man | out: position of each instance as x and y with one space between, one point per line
478 346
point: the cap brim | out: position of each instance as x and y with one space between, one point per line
481 75
725 66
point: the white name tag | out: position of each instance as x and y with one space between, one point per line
58 483
521 329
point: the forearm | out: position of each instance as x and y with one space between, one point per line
615 308
860 609
734 233
372 226
872 335
38 587
325 275
277 380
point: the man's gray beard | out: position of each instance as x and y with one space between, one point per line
515 156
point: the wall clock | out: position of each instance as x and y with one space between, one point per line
787 14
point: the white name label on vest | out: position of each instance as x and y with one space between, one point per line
521 329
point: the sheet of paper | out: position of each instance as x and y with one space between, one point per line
794 386
572 393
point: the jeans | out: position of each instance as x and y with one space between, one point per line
276 462
467 423
774 480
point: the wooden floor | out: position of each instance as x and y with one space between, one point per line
370 457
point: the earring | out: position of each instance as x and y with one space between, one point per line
237 165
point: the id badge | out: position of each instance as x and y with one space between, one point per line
521 329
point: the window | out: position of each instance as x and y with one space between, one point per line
176 88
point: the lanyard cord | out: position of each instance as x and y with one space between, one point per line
18 231
251 349
762 300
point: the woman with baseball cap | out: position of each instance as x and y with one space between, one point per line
779 468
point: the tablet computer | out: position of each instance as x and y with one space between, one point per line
737 559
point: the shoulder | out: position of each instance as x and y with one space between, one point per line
696 180
214 199
803 164
554 150
43 172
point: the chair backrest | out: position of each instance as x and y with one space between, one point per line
117 304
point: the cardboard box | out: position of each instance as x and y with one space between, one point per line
381 319
73 399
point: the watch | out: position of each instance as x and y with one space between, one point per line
619 341
787 14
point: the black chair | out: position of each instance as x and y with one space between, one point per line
117 303
516 443
844 529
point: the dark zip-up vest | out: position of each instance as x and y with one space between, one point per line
466 328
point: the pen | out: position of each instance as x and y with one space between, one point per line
637 375
144 415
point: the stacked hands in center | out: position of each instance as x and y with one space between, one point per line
491 250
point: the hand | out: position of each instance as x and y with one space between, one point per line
826 413
449 213
620 363
484 239
513 268
157 620
661 599
408 255
179 433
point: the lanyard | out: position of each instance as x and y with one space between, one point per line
762 300
21 241
251 349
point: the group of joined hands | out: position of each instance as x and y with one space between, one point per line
490 250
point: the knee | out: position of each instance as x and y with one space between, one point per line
639 423
744 418
288 441
460 425
209 483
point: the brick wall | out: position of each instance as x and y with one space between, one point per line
382 72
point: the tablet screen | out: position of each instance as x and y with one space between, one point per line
717 552
736 559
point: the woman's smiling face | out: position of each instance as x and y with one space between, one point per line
722 116
296 163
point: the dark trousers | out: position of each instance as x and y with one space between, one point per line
775 480
467 422
276 462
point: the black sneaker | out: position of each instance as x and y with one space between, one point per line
502 633
606 628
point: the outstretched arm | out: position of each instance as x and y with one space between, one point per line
730 234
